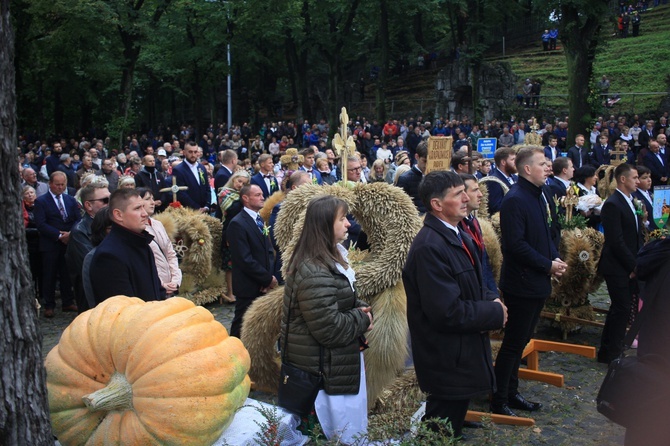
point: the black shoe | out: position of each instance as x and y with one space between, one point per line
519 402
472 425
502 409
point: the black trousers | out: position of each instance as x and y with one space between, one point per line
54 268
242 304
621 291
522 316
452 410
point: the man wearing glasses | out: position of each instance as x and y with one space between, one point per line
94 197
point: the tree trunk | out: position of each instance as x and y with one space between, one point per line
579 34
24 419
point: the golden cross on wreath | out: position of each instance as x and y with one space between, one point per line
344 149
174 189
569 201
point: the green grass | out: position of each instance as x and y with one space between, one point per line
633 65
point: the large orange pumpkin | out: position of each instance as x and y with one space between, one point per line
130 372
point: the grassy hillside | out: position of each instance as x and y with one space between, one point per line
633 65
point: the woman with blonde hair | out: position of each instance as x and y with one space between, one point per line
378 171
231 205
399 171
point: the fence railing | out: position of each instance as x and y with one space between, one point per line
426 106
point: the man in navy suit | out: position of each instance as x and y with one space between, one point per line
55 215
228 159
657 164
563 171
601 152
505 171
551 150
192 174
623 239
308 165
265 179
251 253
578 153
643 193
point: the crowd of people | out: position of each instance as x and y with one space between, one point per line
90 229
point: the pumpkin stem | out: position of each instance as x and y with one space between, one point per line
118 395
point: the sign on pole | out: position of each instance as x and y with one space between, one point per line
439 153
487 147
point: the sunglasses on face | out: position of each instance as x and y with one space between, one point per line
104 200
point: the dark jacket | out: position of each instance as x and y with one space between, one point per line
622 240
252 256
259 181
495 191
409 182
449 312
658 169
649 206
152 180
324 312
573 154
198 194
124 264
78 246
527 245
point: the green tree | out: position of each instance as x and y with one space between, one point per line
580 24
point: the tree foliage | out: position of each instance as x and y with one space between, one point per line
86 64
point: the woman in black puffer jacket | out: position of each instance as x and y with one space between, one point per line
325 313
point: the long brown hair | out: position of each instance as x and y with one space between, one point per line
317 241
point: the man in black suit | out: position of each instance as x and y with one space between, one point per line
530 258
563 171
449 309
623 239
657 164
578 153
55 216
192 174
124 263
265 179
505 172
251 253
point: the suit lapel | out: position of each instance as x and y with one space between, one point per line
254 228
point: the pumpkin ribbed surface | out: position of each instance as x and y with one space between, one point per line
130 372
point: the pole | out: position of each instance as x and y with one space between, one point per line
230 96
503 43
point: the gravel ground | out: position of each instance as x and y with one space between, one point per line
568 417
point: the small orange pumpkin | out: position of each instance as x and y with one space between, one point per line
130 372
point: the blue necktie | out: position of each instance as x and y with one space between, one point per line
259 223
